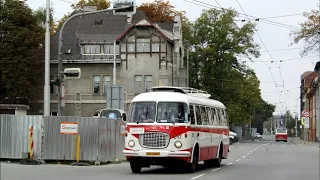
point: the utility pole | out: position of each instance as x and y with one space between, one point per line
60 79
46 94
296 120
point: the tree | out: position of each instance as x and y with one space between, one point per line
40 13
100 4
310 32
21 61
163 11
158 11
214 64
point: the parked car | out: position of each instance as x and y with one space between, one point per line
232 137
258 136
112 113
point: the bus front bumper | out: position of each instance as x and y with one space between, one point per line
156 153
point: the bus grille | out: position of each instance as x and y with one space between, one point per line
154 140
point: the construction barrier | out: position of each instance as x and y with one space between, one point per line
82 139
31 142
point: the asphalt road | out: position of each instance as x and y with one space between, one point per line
262 160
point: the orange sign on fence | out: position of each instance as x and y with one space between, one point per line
69 128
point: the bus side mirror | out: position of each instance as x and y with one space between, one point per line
124 117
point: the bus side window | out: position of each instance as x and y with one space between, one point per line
218 116
192 118
209 114
204 115
225 117
222 118
198 115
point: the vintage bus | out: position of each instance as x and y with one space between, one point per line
174 126
281 134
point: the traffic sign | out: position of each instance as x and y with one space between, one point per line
305 114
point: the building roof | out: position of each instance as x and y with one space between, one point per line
102 28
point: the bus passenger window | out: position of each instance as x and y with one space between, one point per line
204 116
218 117
214 116
209 115
222 118
192 118
198 115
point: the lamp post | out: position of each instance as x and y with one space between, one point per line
46 94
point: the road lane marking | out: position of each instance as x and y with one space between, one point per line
229 164
243 156
238 160
248 154
197 176
255 149
213 170
251 151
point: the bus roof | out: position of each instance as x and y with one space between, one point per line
176 97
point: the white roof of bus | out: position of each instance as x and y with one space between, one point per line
176 97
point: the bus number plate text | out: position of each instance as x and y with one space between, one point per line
153 153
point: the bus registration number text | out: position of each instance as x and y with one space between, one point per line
153 153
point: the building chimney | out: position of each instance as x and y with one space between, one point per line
90 8
129 18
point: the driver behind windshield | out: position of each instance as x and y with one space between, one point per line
145 115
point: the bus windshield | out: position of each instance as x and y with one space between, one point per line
172 112
143 112
167 112
281 131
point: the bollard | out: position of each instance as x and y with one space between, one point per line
78 146
30 160
78 149
31 142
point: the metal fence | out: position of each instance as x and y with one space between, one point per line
101 139
14 135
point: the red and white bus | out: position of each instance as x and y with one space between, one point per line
174 126
281 134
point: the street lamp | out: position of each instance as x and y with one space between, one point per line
46 94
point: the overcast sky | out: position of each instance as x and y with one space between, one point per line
275 37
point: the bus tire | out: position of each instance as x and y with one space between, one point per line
192 167
217 161
135 166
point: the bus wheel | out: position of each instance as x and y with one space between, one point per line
135 166
192 167
217 161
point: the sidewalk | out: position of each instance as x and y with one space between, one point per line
299 141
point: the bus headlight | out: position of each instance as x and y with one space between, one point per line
178 144
131 143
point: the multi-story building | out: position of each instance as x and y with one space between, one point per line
306 80
317 101
147 54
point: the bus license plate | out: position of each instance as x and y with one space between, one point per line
153 153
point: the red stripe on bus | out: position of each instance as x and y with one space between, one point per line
174 131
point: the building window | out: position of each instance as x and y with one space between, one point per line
143 45
131 48
138 84
155 47
106 82
92 49
108 49
53 87
96 84
148 82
